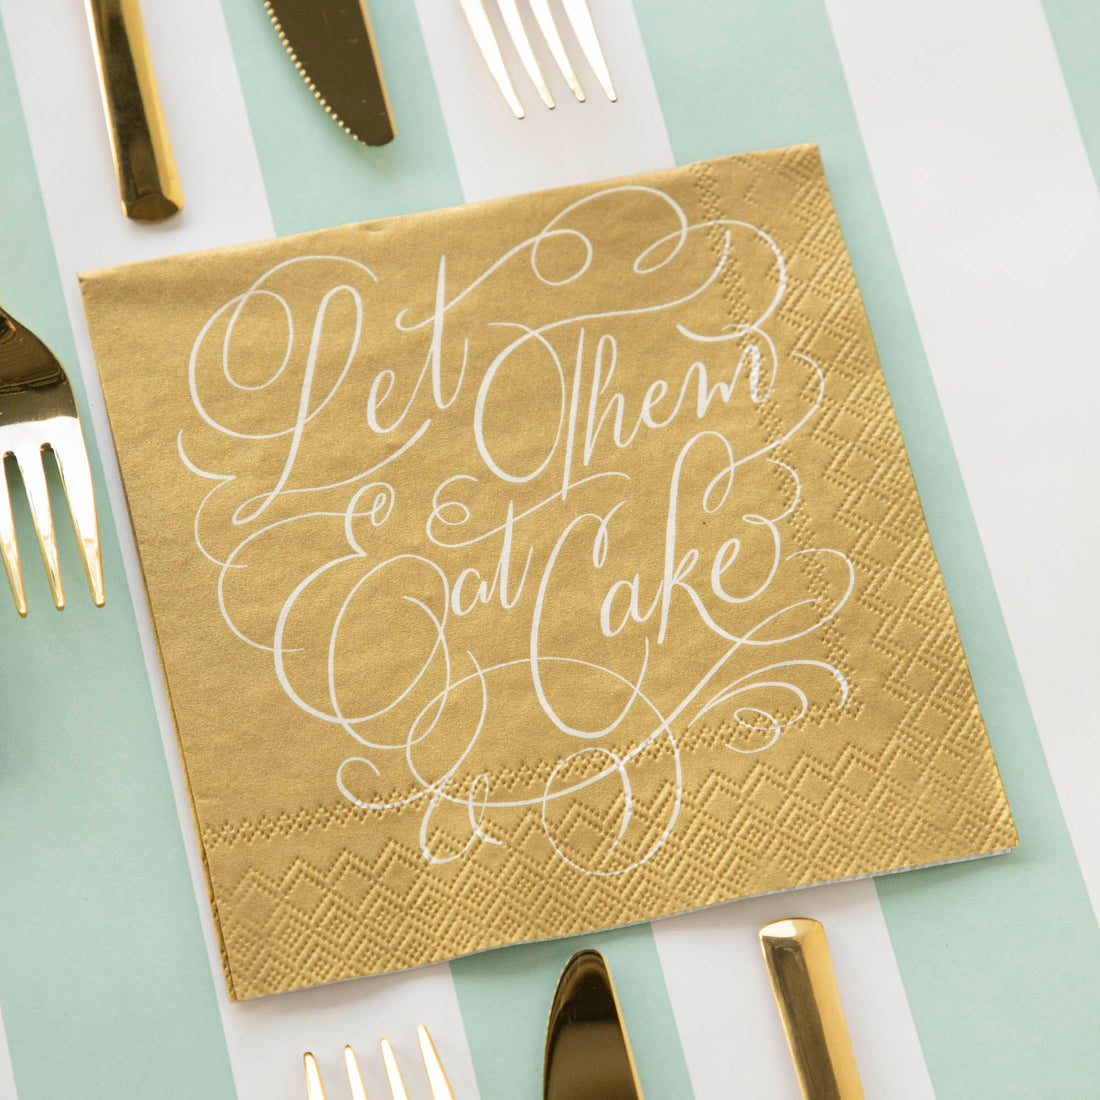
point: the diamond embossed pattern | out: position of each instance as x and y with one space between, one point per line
839 736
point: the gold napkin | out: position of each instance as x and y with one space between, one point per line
536 566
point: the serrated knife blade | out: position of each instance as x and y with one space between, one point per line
587 1051
332 46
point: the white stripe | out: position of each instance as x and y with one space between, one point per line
995 216
729 1026
7 1074
716 980
225 202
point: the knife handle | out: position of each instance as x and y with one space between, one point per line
147 178
797 955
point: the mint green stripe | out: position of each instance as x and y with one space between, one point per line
314 174
1075 27
505 1000
1001 957
104 978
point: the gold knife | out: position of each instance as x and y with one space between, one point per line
588 1053
147 180
801 971
332 46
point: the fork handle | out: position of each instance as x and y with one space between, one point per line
797 956
146 170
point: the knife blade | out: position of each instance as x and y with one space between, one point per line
332 47
588 1053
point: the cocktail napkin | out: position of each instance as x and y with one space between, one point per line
536 566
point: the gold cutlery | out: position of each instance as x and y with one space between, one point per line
147 178
332 47
797 955
38 413
437 1079
588 1053
584 29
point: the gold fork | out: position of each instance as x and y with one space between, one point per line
580 19
37 413
797 956
437 1079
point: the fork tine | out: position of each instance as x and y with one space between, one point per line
393 1074
314 1089
9 548
355 1078
518 33
549 27
482 29
441 1087
29 458
580 17
67 443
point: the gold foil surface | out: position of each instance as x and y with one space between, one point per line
534 567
